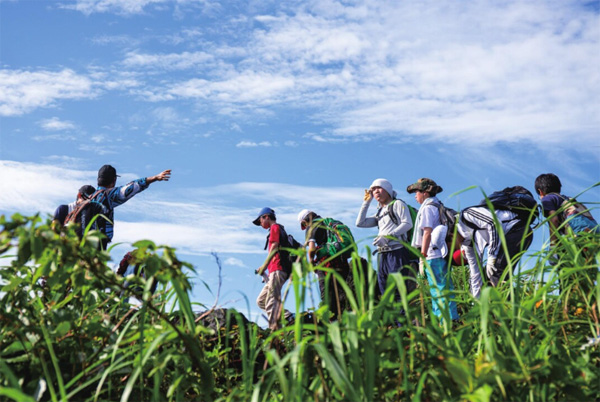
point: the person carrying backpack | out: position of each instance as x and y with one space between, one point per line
478 231
62 211
565 214
566 217
329 242
430 237
277 267
393 218
111 196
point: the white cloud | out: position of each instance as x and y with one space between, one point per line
88 7
234 262
55 124
475 73
173 61
189 221
252 144
249 86
23 91
129 7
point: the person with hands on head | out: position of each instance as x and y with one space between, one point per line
275 267
111 196
394 222
429 236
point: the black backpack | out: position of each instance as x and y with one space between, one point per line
516 199
286 241
448 218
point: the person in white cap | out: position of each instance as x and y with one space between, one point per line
324 243
394 222
430 238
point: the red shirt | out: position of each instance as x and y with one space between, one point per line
275 263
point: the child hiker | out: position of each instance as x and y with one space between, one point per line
429 236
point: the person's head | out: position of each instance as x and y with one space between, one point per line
382 190
107 176
306 218
547 183
85 192
266 217
423 189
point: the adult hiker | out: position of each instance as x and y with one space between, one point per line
394 221
61 212
330 244
277 267
111 196
478 230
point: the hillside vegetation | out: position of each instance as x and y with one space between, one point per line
67 335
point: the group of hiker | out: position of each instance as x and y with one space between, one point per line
432 232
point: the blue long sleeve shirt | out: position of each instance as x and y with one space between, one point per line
112 198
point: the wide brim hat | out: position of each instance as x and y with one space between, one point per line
426 185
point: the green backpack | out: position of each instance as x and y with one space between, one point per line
413 216
339 237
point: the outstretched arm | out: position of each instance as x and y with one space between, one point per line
162 176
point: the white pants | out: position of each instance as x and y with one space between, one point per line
269 298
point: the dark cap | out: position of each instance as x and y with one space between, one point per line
425 185
107 173
264 211
86 191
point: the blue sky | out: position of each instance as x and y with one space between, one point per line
292 105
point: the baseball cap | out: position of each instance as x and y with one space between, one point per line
264 211
426 185
86 191
108 173
302 217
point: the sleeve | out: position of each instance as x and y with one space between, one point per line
61 213
550 203
274 235
430 218
362 221
482 218
471 256
405 222
120 195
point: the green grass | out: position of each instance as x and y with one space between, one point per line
74 339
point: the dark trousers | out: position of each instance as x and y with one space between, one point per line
395 261
332 292
513 243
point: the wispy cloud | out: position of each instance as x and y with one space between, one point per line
189 221
253 144
55 124
173 61
234 262
472 73
23 91
111 6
